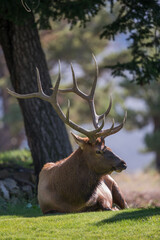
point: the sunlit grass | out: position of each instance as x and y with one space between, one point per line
16 157
28 223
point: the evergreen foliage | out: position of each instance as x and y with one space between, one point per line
45 10
149 114
137 18
140 21
153 141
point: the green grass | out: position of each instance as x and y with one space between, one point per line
16 157
29 223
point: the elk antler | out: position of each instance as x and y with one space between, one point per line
92 135
89 98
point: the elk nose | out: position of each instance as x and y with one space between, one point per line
122 165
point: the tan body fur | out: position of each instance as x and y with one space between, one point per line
74 185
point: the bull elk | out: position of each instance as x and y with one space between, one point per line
80 182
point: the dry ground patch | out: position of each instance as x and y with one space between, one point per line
140 189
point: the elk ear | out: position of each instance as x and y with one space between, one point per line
78 140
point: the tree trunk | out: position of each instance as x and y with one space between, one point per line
156 120
158 161
46 133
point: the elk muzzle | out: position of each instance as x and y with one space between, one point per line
120 166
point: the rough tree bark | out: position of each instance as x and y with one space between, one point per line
156 120
46 133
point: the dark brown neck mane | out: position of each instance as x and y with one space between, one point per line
82 180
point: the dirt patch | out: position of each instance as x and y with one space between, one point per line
140 189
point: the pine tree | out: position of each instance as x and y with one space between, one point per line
150 114
140 21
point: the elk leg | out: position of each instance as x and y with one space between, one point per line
117 195
118 198
101 199
97 207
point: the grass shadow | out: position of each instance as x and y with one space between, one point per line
27 213
22 210
133 215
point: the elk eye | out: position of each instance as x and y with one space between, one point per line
98 152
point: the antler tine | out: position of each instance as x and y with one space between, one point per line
68 108
89 98
91 95
106 132
113 129
40 94
107 111
75 87
40 90
56 88
26 6
119 127
90 134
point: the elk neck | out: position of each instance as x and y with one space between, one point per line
83 180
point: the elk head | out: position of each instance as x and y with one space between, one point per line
99 157
93 144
